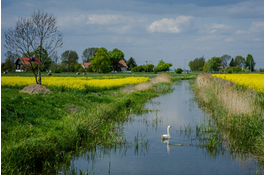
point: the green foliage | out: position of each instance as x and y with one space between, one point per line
197 64
250 63
162 66
234 70
36 140
78 66
8 66
57 70
205 66
178 70
131 63
138 69
70 58
101 62
115 56
214 64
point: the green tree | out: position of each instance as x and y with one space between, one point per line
232 63
70 58
214 64
178 71
250 63
78 67
45 60
197 64
88 53
240 61
162 66
101 62
205 66
131 63
115 56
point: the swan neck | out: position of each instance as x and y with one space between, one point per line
168 131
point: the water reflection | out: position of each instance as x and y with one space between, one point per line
167 142
195 142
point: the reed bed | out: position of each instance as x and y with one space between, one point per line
236 109
160 78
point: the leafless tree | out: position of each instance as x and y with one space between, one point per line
225 60
38 31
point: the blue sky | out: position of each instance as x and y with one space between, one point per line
176 31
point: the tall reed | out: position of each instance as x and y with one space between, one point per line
239 111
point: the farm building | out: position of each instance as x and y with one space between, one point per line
23 62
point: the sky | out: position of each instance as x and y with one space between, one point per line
177 31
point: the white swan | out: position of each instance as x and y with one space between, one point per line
167 136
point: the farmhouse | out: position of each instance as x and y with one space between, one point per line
23 62
121 66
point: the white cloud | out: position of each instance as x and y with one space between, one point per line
167 25
107 19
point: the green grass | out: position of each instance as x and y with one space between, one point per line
40 132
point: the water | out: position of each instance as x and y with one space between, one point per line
146 153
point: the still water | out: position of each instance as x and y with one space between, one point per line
146 153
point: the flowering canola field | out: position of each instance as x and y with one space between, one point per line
252 81
73 83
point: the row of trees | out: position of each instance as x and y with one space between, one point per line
222 63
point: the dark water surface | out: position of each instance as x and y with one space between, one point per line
147 154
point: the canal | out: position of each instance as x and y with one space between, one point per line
186 152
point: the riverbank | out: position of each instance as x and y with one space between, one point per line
237 111
35 139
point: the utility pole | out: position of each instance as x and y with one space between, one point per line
146 66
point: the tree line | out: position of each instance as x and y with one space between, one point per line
224 63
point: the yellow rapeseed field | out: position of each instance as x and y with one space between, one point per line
73 83
252 81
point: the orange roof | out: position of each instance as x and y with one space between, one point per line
122 64
85 65
24 60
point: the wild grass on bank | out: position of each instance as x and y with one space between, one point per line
238 111
158 84
40 131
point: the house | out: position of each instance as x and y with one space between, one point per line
23 62
121 66
85 65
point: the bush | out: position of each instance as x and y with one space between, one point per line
57 70
89 69
178 70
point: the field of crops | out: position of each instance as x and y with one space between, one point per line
73 83
252 81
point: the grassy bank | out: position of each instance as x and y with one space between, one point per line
41 131
237 111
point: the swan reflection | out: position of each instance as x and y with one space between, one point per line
164 140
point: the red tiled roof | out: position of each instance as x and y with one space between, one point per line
122 64
85 65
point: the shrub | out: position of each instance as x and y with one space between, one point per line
57 70
178 70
